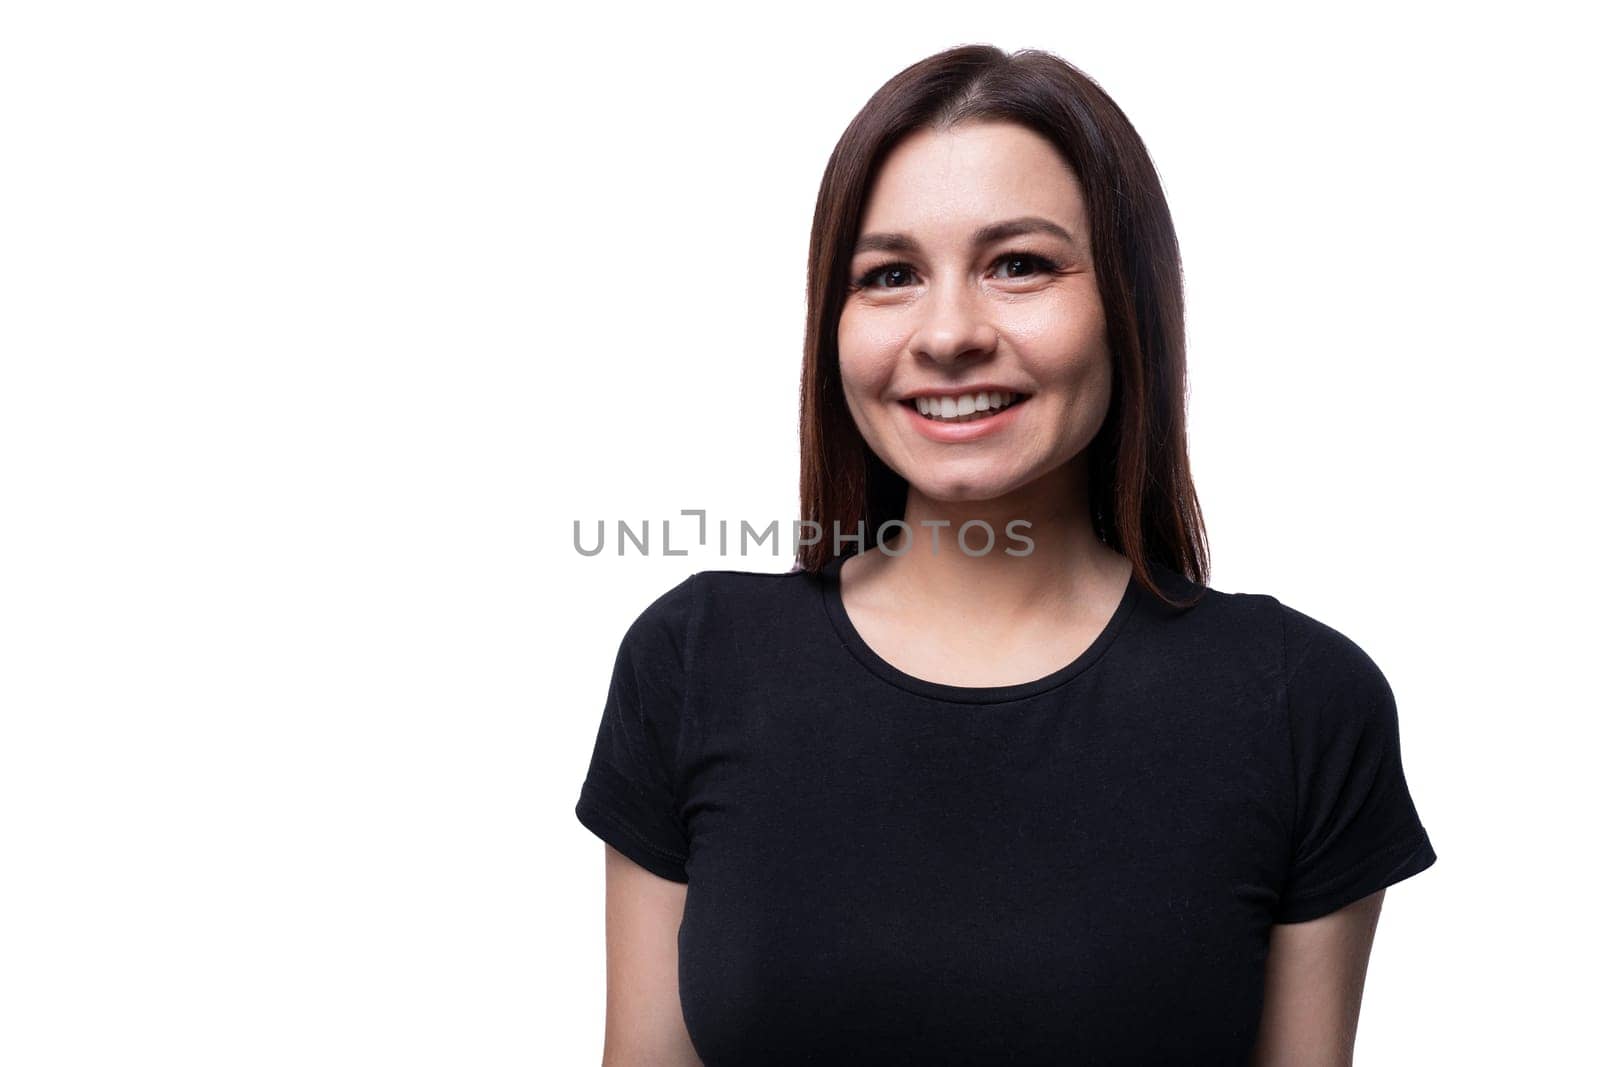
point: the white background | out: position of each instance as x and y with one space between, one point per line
322 322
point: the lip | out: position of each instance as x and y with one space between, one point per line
961 390
958 432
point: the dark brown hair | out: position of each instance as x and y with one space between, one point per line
1141 492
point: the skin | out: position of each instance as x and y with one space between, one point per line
1316 972
942 311
644 1019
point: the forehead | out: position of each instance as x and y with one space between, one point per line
954 180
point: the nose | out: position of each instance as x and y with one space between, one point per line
954 326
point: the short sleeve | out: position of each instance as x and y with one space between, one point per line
630 795
1356 829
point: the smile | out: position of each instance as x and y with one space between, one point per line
964 407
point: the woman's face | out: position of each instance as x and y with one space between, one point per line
938 307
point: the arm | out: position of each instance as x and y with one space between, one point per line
1316 971
644 1018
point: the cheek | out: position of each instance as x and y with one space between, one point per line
1072 321
871 330
866 354
1064 343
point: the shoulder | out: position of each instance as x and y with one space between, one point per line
1244 627
1309 640
1331 681
1305 653
749 582
741 594
661 632
670 609
1302 641
678 617
1330 689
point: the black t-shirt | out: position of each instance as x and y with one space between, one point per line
1080 869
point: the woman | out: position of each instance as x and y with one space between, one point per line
1002 781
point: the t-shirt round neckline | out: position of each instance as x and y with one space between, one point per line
833 602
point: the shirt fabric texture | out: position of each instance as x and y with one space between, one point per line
1080 869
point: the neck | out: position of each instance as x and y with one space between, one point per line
1064 563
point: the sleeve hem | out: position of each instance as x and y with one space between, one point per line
1385 867
620 835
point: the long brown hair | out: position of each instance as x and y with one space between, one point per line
1140 488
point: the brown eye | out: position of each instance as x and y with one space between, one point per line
1040 264
1031 262
865 280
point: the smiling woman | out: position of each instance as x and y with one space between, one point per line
960 311
915 803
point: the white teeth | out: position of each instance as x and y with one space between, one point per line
966 407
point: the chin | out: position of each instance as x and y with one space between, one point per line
961 490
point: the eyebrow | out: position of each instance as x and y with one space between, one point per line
986 235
